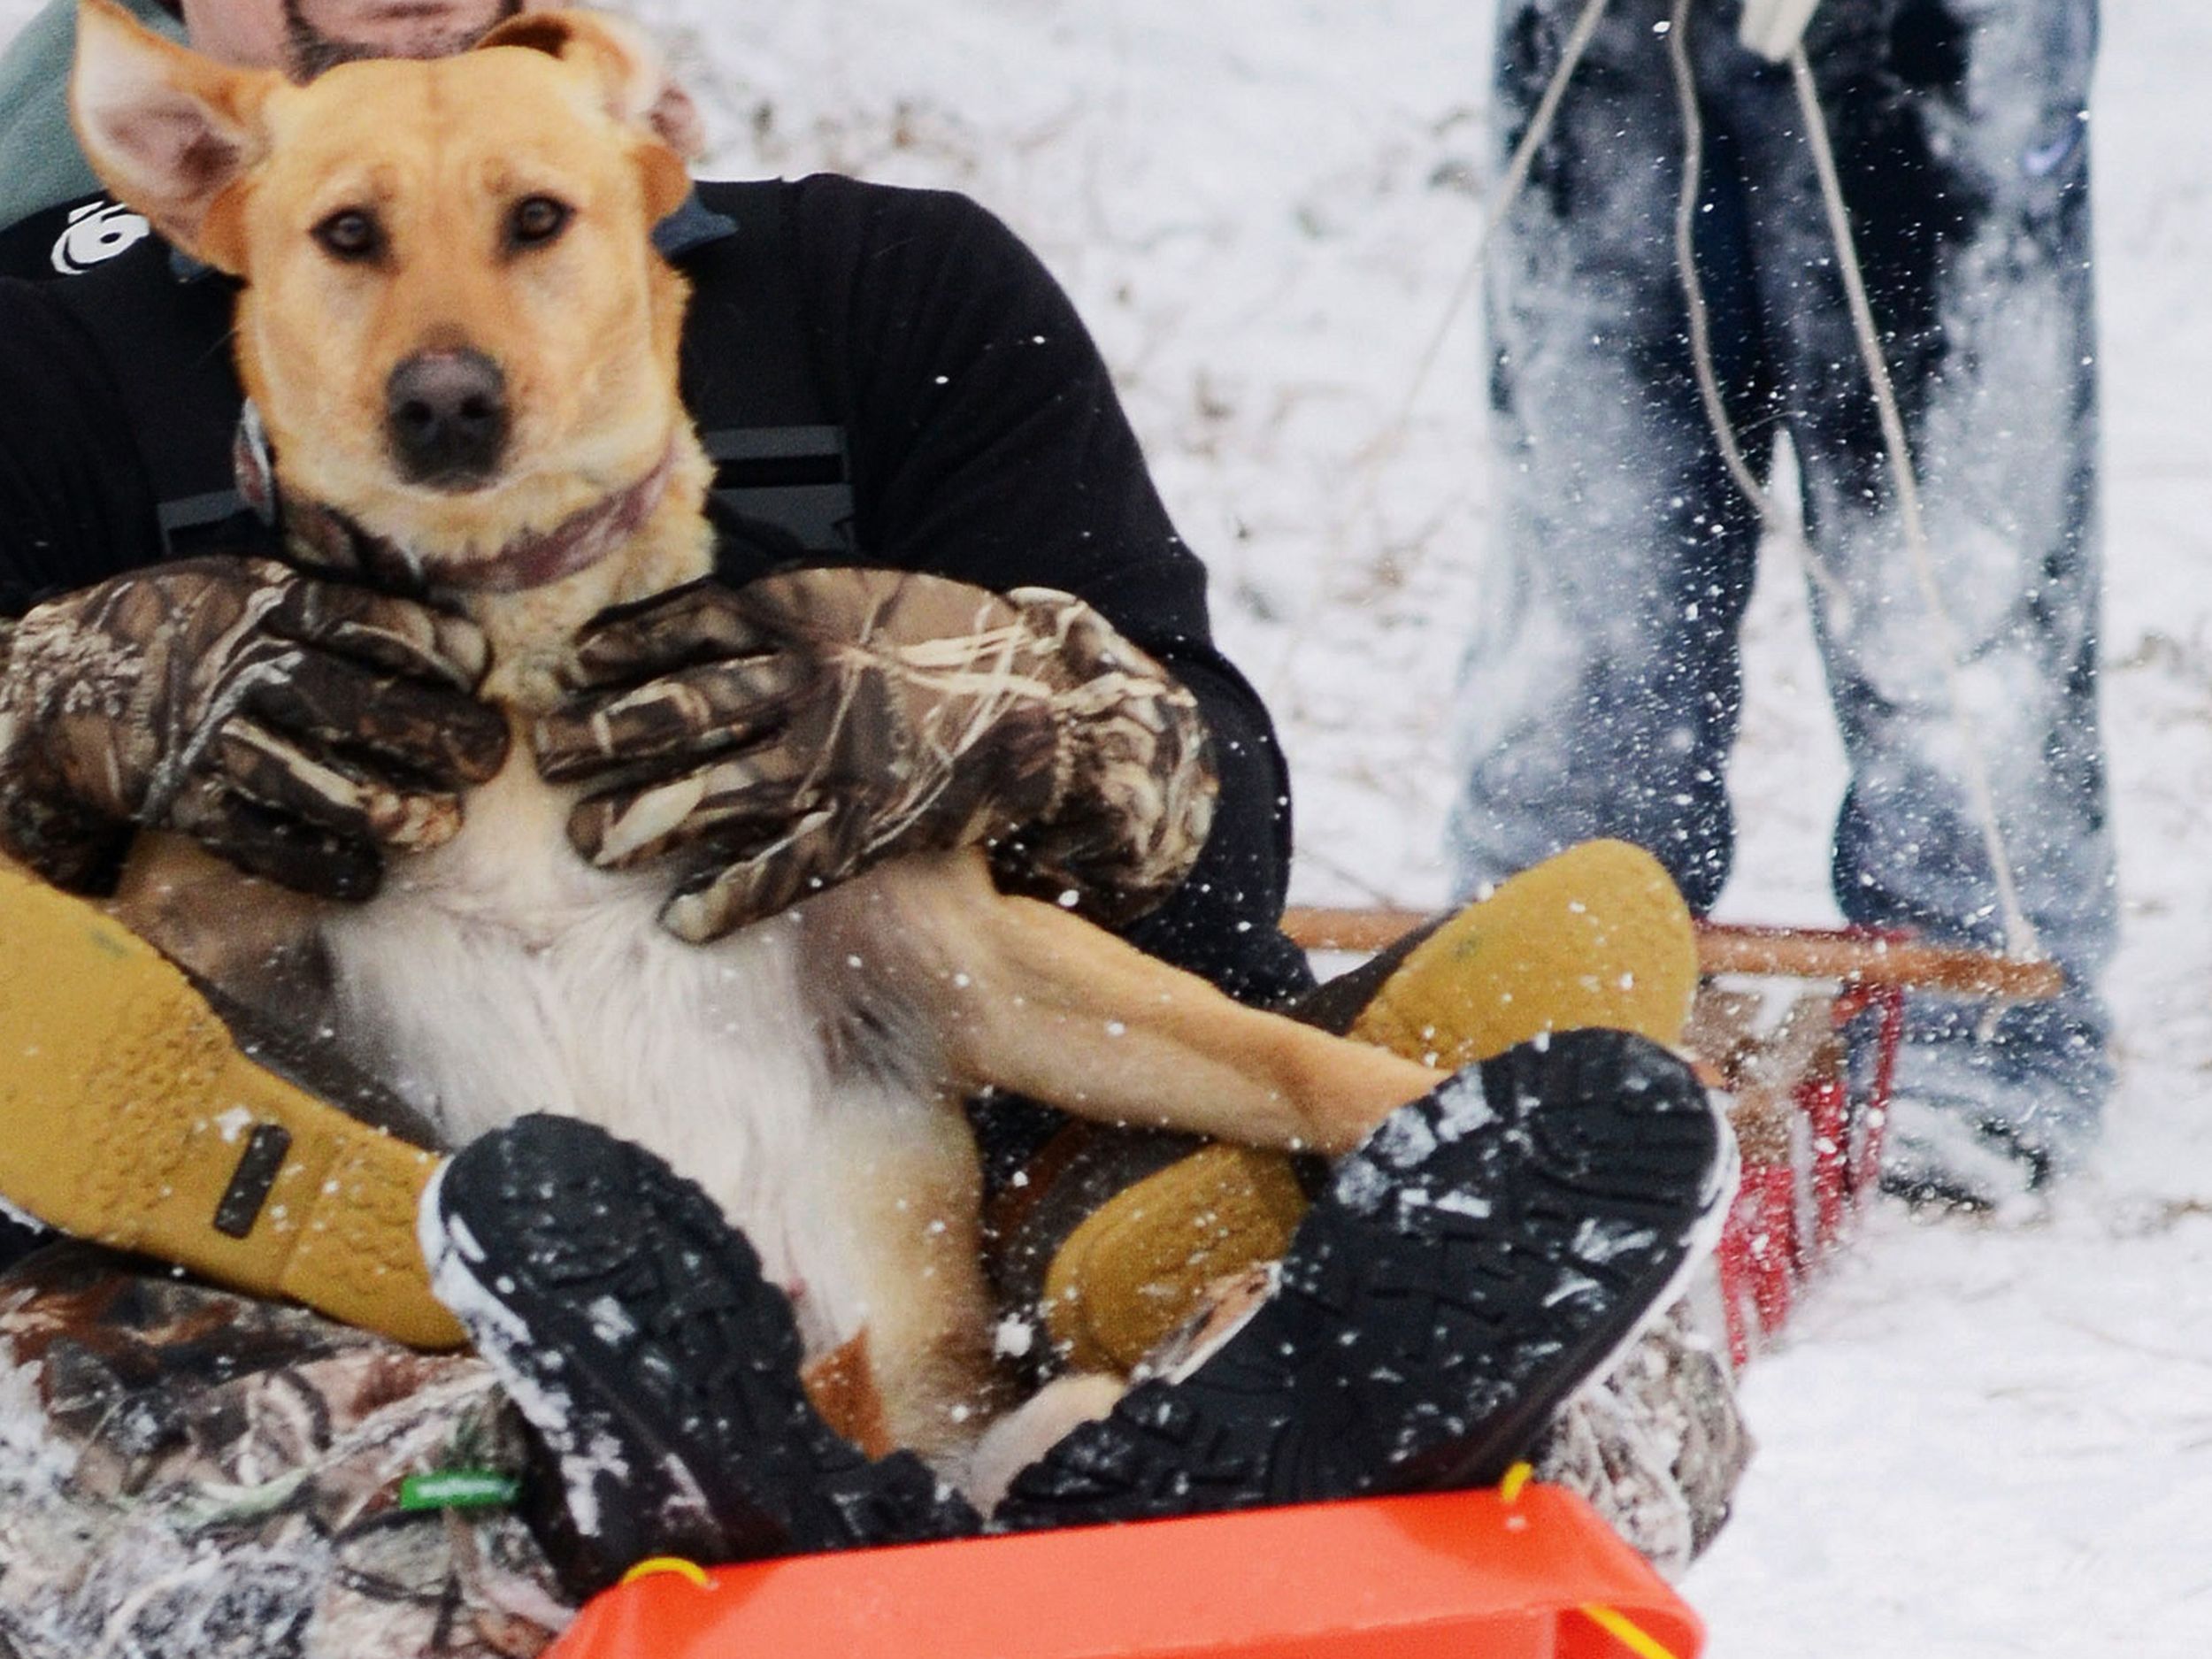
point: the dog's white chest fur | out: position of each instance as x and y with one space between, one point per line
503 975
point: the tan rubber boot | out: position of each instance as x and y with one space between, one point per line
1138 1266
127 1116
1595 936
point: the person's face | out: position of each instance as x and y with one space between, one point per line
305 37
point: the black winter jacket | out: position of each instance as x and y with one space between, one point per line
984 442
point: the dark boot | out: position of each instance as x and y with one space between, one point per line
633 1327
1489 1250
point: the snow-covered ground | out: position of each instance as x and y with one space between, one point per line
1976 1441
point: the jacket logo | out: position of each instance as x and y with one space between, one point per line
97 232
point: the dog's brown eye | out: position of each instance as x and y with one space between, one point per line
351 234
535 220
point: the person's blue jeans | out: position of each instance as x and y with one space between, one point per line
1602 686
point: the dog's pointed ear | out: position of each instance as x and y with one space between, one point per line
168 131
635 86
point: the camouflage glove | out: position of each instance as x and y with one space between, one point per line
295 728
793 731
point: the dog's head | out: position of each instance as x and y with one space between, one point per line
453 323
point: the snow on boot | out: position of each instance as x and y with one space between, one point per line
1488 1250
637 1335
1939 1155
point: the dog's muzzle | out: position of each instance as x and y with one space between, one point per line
445 417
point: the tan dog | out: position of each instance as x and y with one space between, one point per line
496 208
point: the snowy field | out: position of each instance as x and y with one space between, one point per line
1977 1442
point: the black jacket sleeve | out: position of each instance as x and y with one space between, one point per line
987 444
75 505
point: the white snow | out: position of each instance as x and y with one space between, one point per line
1976 1441
1013 1338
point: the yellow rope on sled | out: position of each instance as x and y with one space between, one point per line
655 1565
1624 1631
1615 1624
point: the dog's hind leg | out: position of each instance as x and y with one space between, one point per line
1033 1000
906 1189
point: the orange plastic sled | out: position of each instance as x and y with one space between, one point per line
1537 1576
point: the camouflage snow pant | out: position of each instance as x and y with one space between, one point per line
189 1474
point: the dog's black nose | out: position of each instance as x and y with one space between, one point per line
446 413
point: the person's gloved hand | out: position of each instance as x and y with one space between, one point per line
1772 29
297 728
792 732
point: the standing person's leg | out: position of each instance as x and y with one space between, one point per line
1959 131
1600 690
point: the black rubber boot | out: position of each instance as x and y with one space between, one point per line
1488 1250
632 1326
